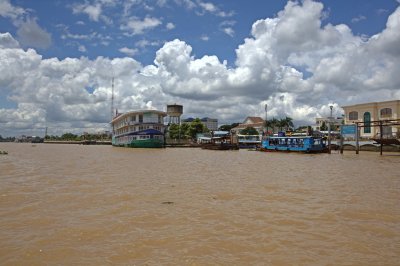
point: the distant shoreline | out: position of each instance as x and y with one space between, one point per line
348 146
81 142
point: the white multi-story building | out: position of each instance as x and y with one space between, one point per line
139 129
210 123
336 122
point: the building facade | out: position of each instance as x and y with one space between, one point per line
374 111
251 121
210 123
336 122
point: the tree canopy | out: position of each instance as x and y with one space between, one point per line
228 127
187 130
249 131
280 124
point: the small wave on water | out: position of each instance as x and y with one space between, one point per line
73 204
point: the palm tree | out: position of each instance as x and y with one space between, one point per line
288 122
273 123
281 124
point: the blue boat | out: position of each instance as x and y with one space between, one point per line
307 144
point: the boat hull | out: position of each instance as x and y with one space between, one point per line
285 149
221 147
306 144
147 143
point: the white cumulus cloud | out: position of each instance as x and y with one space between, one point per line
30 34
291 62
136 26
7 41
128 51
7 10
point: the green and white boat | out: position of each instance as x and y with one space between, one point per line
139 129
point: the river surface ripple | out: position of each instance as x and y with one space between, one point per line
96 205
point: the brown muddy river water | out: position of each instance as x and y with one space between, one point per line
99 205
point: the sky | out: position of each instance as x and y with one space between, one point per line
220 59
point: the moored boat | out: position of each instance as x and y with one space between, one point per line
219 146
307 144
139 129
248 141
222 142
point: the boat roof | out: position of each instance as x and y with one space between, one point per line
123 115
291 137
149 131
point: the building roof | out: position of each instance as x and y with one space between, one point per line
204 119
255 125
254 119
371 103
190 119
250 121
123 115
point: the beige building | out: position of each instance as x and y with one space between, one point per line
250 121
374 111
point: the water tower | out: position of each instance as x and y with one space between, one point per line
174 112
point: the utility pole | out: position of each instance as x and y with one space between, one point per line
357 138
112 98
266 121
329 130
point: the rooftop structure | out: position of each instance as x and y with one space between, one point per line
174 112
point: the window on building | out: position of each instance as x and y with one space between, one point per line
386 112
367 122
387 131
353 115
140 118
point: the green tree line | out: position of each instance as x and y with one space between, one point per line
72 137
187 130
280 124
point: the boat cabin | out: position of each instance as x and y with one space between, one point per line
248 141
299 144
